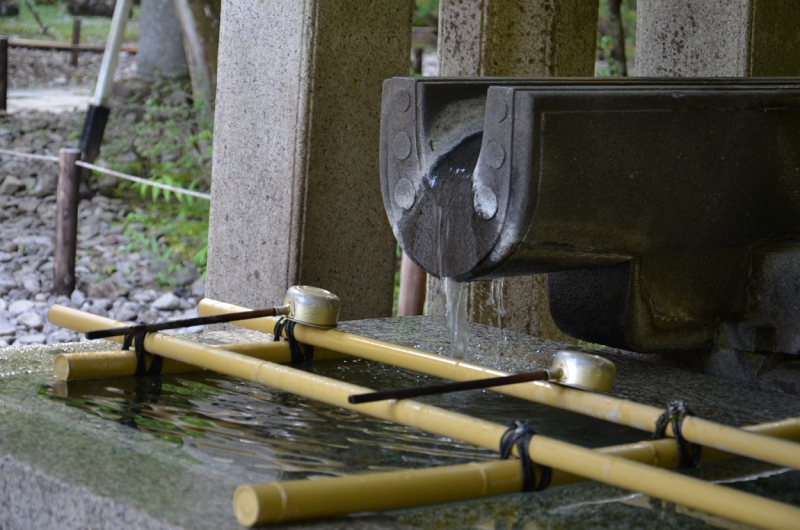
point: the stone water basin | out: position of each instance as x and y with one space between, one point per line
169 452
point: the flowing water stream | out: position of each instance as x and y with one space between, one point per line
456 317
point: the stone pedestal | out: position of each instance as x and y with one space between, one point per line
296 188
160 42
515 38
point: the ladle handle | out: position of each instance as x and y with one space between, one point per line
405 393
187 322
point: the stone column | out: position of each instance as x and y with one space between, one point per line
296 185
697 38
520 38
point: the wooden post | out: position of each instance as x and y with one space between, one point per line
416 61
412 288
3 72
66 221
76 39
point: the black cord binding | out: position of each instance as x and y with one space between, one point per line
520 433
299 355
138 346
688 453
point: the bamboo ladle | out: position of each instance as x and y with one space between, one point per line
579 370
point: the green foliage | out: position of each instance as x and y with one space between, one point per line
165 137
94 30
426 13
605 42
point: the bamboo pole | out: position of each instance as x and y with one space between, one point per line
605 407
114 363
277 502
626 474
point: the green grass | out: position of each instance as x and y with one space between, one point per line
94 30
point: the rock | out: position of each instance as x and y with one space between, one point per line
86 280
199 288
6 256
166 302
11 185
77 298
144 297
95 310
20 306
7 328
37 338
30 320
6 283
103 303
31 284
28 205
105 289
3 305
61 335
127 314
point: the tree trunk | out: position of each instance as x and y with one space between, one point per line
199 20
618 36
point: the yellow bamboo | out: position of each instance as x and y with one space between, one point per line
605 407
627 474
115 363
294 500
84 365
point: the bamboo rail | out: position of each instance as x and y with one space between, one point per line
277 502
605 407
114 363
620 472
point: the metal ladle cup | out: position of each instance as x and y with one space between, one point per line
569 368
304 304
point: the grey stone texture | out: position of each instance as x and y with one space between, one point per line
530 38
161 51
516 38
296 190
696 38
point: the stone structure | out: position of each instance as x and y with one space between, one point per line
160 42
695 38
514 38
749 38
296 191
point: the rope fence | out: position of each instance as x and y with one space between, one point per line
32 156
101 169
140 180
67 198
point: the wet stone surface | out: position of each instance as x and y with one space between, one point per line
169 451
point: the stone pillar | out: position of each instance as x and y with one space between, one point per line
697 38
520 38
296 184
160 42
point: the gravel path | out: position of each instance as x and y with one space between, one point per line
110 280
